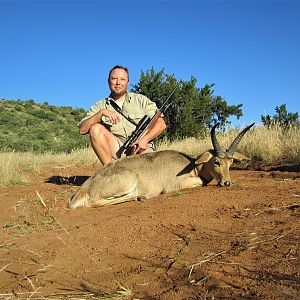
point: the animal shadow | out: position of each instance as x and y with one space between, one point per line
72 180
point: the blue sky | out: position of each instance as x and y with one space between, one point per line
61 51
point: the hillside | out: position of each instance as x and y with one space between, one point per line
29 126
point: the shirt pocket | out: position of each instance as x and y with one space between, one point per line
136 116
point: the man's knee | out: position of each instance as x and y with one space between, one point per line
100 135
97 131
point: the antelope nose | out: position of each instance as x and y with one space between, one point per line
227 183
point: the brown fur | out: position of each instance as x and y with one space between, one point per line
150 174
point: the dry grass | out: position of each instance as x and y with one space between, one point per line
269 145
14 166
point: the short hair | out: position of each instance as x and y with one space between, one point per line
119 67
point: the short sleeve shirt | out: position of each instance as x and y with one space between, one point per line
135 107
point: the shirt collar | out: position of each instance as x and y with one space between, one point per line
127 98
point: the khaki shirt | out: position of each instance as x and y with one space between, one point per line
134 107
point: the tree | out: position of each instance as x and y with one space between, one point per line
193 111
281 118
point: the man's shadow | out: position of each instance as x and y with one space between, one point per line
72 180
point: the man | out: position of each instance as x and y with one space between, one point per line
109 129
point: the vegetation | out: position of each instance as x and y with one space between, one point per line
26 126
274 144
281 118
30 127
193 111
267 144
16 167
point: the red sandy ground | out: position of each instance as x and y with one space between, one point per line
238 242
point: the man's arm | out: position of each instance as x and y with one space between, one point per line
158 127
85 125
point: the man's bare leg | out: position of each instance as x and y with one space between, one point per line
103 142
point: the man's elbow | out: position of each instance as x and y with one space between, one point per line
83 130
163 125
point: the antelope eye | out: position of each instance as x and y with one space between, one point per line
217 163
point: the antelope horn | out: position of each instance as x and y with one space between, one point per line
215 142
237 140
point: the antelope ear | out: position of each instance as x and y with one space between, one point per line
203 158
239 157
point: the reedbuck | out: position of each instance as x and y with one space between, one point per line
150 174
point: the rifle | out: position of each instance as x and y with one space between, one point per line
145 124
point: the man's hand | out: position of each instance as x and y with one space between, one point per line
139 146
113 116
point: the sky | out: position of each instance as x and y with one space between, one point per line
61 51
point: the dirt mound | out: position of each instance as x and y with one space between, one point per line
207 242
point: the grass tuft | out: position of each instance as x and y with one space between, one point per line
15 165
267 144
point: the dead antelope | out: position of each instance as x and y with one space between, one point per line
150 174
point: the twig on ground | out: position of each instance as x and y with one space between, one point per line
3 268
273 237
199 282
204 261
32 285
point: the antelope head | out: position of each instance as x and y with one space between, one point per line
217 161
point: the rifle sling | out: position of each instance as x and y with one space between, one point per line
119 110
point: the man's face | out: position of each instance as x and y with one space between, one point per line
118 82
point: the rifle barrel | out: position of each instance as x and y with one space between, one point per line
177 85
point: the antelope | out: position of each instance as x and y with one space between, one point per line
146 175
